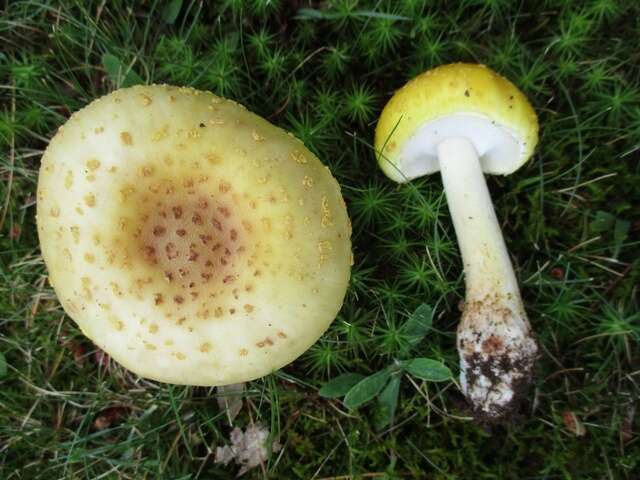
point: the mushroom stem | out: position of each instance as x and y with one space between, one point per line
487 267
496 346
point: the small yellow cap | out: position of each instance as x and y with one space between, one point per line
451 90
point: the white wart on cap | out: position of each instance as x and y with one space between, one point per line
192 240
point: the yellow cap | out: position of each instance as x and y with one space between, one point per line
192 240
459 89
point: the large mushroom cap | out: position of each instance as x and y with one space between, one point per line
192 240
459 99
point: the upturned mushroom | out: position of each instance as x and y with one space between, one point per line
192 240
463 120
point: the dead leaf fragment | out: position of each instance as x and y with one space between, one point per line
248 448
78 350
109 417
230 400
573 424
101 358
626 428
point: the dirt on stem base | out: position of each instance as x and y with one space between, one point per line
497 356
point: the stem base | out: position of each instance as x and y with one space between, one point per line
497 355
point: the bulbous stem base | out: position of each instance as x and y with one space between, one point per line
497 355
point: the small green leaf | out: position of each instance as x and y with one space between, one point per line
367 389
340 386
602 222
114 69
112 65
387 402
428 369
620 232
3 365
171 11
418 325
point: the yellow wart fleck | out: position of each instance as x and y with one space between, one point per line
126 192
75 233
93 164
224 186
145 171
257 137
126 138
326 213
307 181
115 288
68 181
160 134
90 200
298 157
116 322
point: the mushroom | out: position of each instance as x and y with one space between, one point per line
463 120
192 240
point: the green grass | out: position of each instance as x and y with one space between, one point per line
324 71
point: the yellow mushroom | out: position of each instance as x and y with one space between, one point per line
463 120
186 236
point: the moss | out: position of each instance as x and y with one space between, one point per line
579 278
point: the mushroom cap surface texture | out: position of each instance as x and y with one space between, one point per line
193 241
458 99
